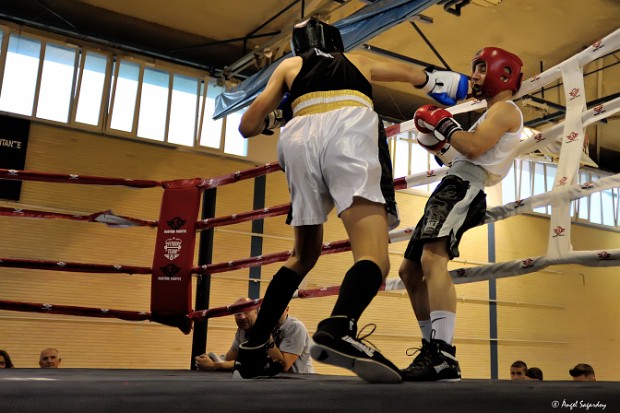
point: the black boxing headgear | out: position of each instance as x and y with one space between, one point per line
503 72
314 33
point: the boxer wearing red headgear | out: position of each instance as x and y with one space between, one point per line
503 72
485 154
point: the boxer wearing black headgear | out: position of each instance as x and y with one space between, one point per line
331 158
313 33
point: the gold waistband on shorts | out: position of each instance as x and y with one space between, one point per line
324 101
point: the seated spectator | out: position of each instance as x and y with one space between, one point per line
290 337
582 372
534 373
5 360
49 358
517 370
293 343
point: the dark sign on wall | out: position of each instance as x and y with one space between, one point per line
13 145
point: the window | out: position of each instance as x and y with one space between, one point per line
526 179
596 206
183 110
124 96
118 95
91 86
550 172
20 75
509 185
211 131
56 83
234 143
607 205
153 104
583 209
540 183
402 152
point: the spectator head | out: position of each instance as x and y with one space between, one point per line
245 320
49 359
517 370
5 360
582 372
534 373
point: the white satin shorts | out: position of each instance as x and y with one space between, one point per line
329 158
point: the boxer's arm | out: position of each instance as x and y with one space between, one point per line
253 121
445 86
501 118
388 72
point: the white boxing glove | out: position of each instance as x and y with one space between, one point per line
444 86
429 142
446 155
441 149
273 120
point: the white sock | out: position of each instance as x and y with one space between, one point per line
425 327
443 323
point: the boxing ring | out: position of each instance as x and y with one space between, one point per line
179 225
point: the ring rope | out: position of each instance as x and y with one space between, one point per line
14 174
105 217
74 310
73 266
327 248
226 179
602 258
206 183
243 217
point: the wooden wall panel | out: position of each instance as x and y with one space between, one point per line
553 319
562 315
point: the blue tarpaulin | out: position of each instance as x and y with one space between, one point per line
356 29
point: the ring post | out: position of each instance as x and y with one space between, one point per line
171 280
203 285
256 248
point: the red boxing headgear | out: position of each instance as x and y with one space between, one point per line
503 72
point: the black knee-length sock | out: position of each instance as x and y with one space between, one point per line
359 287
278 295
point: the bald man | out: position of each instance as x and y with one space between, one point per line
49 359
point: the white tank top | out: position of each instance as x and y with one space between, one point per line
497 160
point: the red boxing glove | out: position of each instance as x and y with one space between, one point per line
431 119
420 118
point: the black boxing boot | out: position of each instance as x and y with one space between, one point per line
439 363
335 343
254 363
